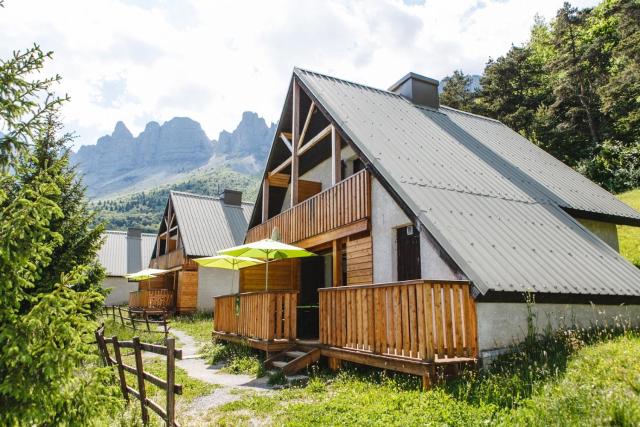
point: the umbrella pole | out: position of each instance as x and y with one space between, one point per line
266 277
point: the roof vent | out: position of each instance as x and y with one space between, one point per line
231 197
418 89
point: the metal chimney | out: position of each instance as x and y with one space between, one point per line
418 89
231 197
134 250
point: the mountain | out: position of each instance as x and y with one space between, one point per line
161 154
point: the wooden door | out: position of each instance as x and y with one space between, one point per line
408 239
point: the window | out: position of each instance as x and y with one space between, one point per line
408 247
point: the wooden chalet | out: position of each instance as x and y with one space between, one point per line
427 221
192 226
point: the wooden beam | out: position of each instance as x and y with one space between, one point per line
336 256
281 166
337 233
265 199
279 180
295 142
313 141
336 161
306 122
286 141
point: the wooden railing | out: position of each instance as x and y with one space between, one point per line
152 298
423 320
169 260
346 202
268 315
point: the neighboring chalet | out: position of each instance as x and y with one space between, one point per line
430 225
123 252
193 226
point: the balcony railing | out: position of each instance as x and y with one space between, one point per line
346 202
268 315
151 298
166 261
422 320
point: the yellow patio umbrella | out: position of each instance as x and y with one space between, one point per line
147 273
268 250
228 262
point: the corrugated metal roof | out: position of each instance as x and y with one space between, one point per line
113 253
491 198
207 224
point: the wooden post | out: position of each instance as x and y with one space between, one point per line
336 161
295 136
336 258
113 312
146 319
171 380
123 379
121 318
140 374
265 199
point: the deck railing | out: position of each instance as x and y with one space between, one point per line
346 202
172 259
151 298
268 315
423 320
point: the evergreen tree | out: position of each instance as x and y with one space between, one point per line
457 92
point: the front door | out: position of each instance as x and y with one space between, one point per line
312 278
408 240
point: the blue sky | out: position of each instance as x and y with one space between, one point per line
143 60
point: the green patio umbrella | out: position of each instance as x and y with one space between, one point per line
228 262
268 250
147 273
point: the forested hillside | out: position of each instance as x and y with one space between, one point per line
573 89
144 209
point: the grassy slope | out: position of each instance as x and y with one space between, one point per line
598 385
630 236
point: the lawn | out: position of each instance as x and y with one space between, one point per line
629 237
115 328
198 325
570 378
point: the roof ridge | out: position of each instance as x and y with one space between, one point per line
295 69
455 110
185 193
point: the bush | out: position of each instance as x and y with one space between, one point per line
237 358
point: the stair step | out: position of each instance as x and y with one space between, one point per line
295 354
279 364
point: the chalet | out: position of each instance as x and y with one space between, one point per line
123 252
193 226
430 225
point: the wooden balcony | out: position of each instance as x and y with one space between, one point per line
266 319
424 321
169 260
347 202
160 299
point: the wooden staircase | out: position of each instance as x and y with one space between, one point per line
294 359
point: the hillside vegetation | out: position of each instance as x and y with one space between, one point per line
629 237
144 209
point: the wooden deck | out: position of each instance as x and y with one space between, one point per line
160 299
347 202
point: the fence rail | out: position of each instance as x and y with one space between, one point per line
268 315
169 385
159 299
416 319
139 316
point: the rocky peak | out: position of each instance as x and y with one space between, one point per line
121 132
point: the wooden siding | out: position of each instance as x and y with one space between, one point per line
359 260
283 275
346 202
259 315
154 298
187 296
423 320
170 260
153 283
308 189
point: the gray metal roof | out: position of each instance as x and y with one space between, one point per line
490 197
113 253
207 224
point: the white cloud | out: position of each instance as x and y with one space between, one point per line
141 60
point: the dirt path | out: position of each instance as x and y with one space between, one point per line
232 387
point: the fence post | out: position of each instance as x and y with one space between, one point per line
133 323
140 374
123 379
146 319
121 318
113 312
171 380
102 346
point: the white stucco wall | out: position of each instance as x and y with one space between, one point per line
606 231
432 260
120 289
213 282
501 324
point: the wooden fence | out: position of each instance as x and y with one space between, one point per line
169 386
158 299
268 315
139 316
416 319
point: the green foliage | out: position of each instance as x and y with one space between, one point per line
144 209
457 92
573 89
629 237
198 325
115 328
48 373
237 358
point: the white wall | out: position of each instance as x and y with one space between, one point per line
120 289
604 230
501 324
213 282
432 260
